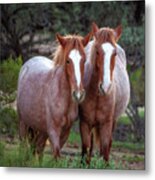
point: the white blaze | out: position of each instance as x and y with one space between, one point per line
76 58
108 50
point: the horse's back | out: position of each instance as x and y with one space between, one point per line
122 82
36 65
31 84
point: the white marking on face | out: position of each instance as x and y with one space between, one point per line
108 50
76 58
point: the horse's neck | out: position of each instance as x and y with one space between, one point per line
92 79
59 80
88 73
91 75
88 64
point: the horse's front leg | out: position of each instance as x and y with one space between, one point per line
106 139
85 132
54 137
64 136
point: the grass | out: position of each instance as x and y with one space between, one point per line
20 157
133 159
126 121
16 155
74 137
129 146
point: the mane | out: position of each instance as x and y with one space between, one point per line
73 42
106 35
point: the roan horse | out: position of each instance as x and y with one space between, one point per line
107 90
49 93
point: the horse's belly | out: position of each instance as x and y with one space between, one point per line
31 102
31 110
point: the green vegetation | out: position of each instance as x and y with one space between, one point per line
74 137
129 145
8 122
18 156
124 120
9 71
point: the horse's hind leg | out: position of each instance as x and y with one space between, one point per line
106 140
86 138
32 136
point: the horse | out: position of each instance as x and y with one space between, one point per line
49 93
107 88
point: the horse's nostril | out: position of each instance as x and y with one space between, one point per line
74 93
78 95
101 89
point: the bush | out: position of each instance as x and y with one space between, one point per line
9 70
8 122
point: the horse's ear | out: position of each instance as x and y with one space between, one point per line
86 39
61 39
95 28
118 32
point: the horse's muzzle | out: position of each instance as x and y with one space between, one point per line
79 95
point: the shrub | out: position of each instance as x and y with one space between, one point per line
9 70
8 122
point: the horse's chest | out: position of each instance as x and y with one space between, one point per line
63 109
104 108
97 109
87 109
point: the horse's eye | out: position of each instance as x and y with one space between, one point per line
68 61
97 52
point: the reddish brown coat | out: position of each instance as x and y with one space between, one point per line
100 111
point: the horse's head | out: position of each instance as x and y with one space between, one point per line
104 53
73 60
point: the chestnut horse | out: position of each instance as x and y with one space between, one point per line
49 93
107 90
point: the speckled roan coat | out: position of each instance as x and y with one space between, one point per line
99 113
46 100
40 103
